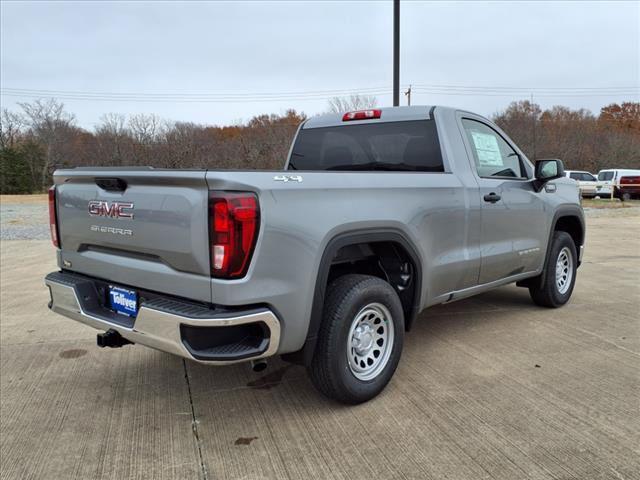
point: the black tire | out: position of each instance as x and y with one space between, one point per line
550 295
330 370
625 196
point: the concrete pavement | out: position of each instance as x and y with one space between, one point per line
491 387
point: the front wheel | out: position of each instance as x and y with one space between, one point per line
360 339
560 274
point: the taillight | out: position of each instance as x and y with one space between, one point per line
362 115
53 217
234 224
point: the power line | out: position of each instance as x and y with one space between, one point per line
362 90
523 93
305 92
528 89
241 97
195 96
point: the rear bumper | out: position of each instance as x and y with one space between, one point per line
193 331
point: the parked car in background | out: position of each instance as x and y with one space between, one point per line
609 178
587 183
629 188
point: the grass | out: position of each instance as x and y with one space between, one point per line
23 199
608 203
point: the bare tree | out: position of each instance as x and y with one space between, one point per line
112 124
49 123
113 140
353 102
521 120
144 128
11 125
146 131
183 144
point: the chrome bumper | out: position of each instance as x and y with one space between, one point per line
156 328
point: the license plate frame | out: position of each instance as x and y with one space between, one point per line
123 301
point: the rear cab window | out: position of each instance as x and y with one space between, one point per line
387 146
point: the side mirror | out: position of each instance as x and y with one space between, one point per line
547 170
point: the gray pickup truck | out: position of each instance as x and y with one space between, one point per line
377 215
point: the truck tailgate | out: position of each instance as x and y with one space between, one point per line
142 228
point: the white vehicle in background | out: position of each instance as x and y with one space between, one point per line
610 178
587 183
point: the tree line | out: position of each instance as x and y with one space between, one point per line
43 136
582 140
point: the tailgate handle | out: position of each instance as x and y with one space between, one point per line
112 184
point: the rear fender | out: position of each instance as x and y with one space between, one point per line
305 355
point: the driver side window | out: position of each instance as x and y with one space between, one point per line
494 157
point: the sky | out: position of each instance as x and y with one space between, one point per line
221 63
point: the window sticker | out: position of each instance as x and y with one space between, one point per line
487 149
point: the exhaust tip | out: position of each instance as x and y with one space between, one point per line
258 365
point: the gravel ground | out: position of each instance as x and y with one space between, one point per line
631 211
21 221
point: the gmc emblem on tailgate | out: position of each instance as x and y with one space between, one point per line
101 208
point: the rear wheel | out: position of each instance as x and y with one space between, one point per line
360 340
560 274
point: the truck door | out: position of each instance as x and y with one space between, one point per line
513 221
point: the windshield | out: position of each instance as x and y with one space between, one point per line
605 176
390 146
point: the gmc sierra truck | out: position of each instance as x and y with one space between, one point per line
377 215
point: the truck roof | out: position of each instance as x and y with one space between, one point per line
389 114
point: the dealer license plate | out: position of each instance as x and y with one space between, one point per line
123 301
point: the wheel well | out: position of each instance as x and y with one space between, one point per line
567 223
387 260
385 253
573 227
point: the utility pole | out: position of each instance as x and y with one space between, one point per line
408 94
396 53
533 117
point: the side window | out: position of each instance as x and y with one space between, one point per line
493 155
575 176
588 177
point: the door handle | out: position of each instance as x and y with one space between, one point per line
492 197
